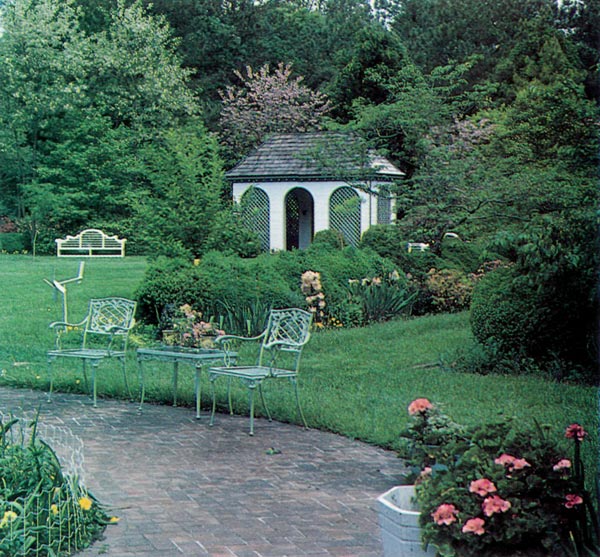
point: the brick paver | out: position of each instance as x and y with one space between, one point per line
182 488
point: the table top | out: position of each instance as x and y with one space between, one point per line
182 353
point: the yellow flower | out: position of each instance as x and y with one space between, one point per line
114 519
9 516
85 503
54 509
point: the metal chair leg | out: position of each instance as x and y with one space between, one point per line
141 381
212 379
264 403
295 383
125 379
94 387
251 387
51 379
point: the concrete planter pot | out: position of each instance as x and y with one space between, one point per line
399 523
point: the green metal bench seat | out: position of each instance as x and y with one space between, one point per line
103 333
281 344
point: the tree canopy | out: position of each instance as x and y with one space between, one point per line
490 108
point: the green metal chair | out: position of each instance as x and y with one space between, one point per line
281 344
101 335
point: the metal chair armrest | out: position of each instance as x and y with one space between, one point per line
64 324
228 338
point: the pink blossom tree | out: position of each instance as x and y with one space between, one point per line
268 102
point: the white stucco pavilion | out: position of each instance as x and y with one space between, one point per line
295 185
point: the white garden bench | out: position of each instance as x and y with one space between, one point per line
92 243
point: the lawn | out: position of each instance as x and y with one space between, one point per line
356 382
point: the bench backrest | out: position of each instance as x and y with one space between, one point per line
90 242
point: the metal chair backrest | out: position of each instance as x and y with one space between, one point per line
288 330
109 316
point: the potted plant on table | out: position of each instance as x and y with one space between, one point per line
188 329
499 491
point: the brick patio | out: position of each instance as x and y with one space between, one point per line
184 489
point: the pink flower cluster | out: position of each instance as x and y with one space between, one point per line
482 487
562 465
419 406
572 500
495 504
575 431
512 463
445 514
474 526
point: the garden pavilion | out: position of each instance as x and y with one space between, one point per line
295 185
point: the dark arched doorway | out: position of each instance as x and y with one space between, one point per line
299 219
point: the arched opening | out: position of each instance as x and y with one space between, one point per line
344 214
299 219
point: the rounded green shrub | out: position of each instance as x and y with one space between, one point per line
502 315
553 326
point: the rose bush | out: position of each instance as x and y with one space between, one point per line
497 490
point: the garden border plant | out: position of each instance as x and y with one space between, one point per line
497 490
44 510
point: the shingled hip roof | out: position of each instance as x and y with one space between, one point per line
313 156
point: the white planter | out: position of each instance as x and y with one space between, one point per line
399 523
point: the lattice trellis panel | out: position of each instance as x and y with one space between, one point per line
344 214
384 208
256 215
292 220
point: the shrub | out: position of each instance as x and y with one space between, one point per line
444 283
544 306
521 321
232 288
229 236
13 242
449 289
332 238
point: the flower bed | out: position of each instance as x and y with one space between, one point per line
496 490
44 510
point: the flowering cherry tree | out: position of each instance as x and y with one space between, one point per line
268 102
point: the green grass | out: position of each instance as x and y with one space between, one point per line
355 382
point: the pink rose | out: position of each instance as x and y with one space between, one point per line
482 487
445 514
474 526
419 406
575 431
563 464
572 500
495 504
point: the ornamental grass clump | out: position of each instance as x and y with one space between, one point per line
44 511
500 491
